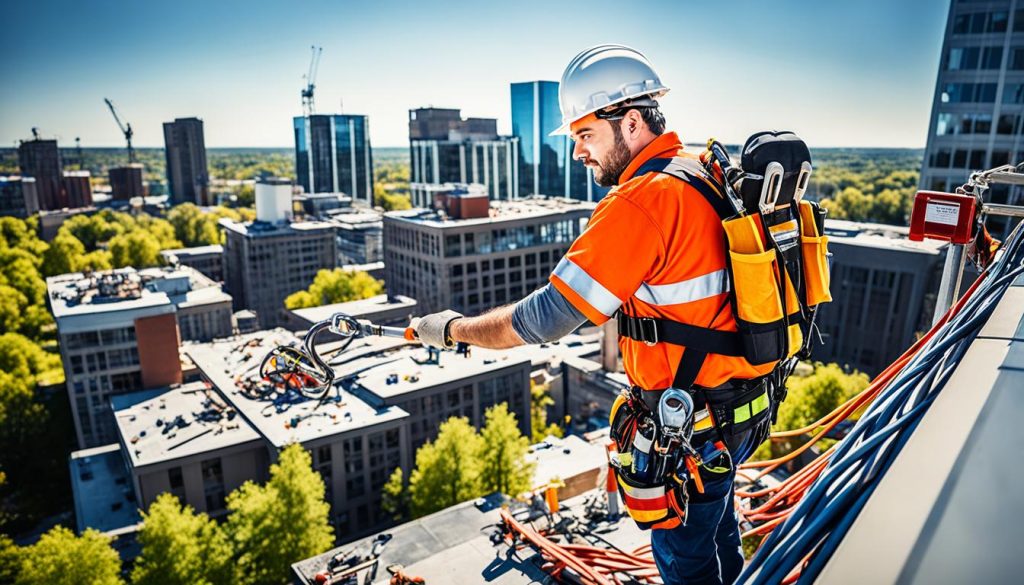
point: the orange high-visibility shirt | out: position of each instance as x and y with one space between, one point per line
654 247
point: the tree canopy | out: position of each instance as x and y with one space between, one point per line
62 557
180 547
335 286
273 525
447 469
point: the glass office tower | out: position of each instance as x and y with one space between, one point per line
545 162
977 117
332 155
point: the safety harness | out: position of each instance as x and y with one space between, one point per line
778 270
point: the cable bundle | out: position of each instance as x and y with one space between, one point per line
833 489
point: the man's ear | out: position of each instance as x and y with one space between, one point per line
633 123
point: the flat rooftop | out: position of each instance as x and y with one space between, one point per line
102 488
527 208
361 373
357 309
232 365
194 251
127 290
454 546
876 235
262 229
177 423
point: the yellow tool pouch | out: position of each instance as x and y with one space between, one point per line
758 290
814 247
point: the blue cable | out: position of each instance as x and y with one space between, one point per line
827 510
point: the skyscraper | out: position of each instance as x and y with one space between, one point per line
445 148
978 105
185 150
41 160
545 162
332 154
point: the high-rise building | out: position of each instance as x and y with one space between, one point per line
270 258
473 257
77 187
126 182
978 107
360 236
185 151
41 160
546 166
446 148
18 197
119 332
209 260
332 154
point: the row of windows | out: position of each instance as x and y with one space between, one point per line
968 93
985 22
973 159
952 124
974 58
500 240
90 339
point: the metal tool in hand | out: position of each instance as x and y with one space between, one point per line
302 369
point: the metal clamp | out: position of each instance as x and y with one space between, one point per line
771 187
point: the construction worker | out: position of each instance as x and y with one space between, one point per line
653 248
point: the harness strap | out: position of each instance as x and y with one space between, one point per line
698 341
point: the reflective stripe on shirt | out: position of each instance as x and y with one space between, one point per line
587 287
684 291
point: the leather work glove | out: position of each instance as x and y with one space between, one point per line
432 330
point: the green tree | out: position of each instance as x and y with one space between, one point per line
246 196
10 557
137 249
395 496
447 470
390 201
335 286
96 260
62 557
540 400
274 525
503 453
64 255
809 398
193 226
812 397
12 308
181 547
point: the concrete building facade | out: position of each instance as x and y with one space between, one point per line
119 332
41 160
265 262
18 197
185 151
471 265
209 260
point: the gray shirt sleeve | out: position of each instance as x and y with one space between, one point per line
545 315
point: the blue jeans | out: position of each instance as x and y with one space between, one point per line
705 550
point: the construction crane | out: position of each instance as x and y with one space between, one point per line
126 129
310 77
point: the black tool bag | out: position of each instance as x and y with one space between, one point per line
759 151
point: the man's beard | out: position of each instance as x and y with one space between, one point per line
607 174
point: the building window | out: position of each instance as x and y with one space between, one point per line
213 485
177 482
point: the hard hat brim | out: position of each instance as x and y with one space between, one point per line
563 130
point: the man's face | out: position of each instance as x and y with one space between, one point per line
599 145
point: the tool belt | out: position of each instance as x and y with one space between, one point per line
729 422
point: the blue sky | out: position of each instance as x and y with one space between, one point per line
839 73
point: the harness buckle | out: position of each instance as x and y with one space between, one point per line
648 330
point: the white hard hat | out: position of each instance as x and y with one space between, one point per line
602 76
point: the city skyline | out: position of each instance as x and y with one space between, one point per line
241 70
